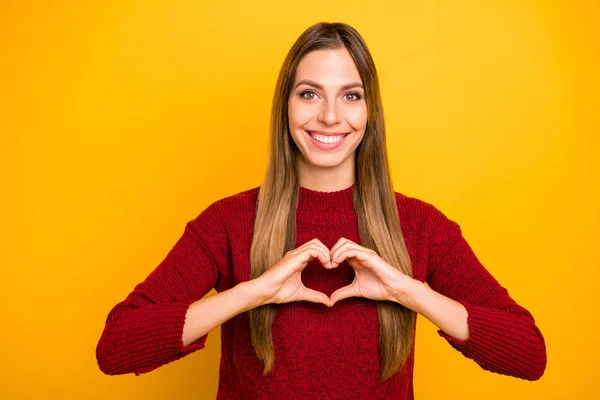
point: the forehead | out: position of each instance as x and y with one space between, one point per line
328 67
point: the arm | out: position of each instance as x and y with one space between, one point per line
447 314
206 314
500 335
145 330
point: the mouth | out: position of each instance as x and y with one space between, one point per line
325 140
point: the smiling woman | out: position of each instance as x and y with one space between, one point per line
329 91
321 270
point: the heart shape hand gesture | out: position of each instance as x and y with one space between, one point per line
374 278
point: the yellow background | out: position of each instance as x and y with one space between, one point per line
121 121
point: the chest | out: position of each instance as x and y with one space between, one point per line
315 275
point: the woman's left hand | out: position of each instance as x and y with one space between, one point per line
374 278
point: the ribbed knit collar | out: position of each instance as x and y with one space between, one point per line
325 208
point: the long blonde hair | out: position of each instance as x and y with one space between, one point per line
374 198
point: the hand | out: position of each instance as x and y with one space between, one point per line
282 282
374 278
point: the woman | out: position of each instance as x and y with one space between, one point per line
320 271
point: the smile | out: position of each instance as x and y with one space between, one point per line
326 142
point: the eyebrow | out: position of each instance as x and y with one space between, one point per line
319 86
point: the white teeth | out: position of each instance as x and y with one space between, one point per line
326 139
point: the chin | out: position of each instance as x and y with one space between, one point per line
325 160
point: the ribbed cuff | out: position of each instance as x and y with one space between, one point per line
501 342
145 338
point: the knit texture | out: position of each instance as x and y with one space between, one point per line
320 352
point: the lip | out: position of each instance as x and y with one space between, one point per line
329 133
327 146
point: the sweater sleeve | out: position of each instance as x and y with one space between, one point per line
144 331
503 335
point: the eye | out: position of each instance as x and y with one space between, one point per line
307 92
356 95
310 95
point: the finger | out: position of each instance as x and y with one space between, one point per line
301 247
357 253
326 259
348 244
338 257
309 253
315 296
340 242
343 293
325 249
316 242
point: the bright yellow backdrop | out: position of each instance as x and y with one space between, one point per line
121 121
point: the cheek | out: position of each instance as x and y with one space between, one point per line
299 114
357 117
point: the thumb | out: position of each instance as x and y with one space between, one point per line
315 296
343 293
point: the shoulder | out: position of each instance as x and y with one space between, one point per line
420 216
411 206
240 202
226 210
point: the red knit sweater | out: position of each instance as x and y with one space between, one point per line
320 352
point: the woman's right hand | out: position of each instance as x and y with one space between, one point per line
282 282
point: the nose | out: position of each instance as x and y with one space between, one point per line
329 113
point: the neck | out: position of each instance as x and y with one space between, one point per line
326 179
